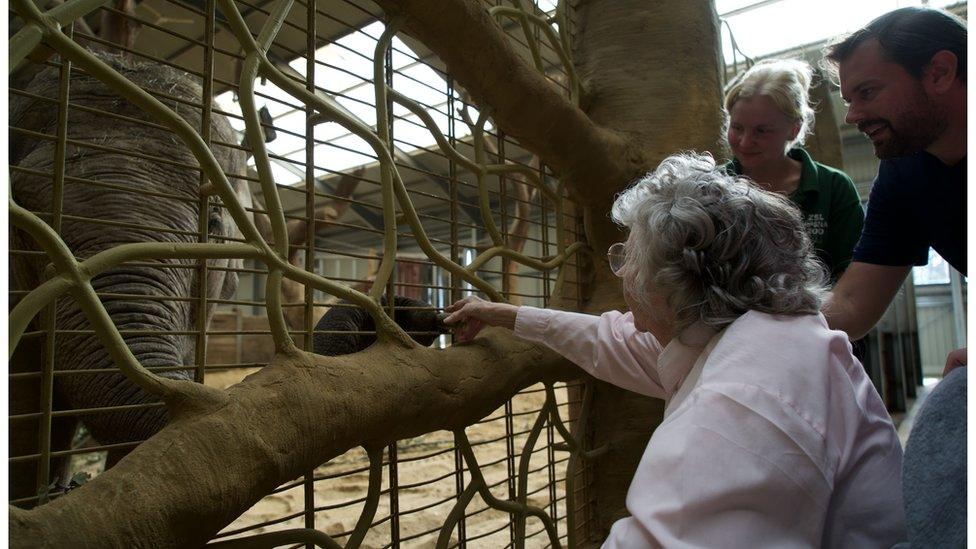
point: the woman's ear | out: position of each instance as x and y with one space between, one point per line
795 130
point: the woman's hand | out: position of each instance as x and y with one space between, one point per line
472 314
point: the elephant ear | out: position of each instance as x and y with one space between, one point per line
234 164
243 192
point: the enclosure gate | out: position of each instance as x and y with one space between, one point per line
373 175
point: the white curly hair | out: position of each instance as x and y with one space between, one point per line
715 245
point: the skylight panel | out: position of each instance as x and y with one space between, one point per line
421 84
342 153
771 27
293 136
283 175
360 102
344 70
546 6
410 136
400 58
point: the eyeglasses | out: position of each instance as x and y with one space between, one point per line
617 255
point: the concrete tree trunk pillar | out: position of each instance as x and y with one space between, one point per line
824 145
651 72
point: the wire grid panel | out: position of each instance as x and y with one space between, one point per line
326 164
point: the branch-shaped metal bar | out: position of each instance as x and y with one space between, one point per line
484 203
29 37
319 538
457 512
532 178
385 327
152 106
21 315
529 39
562 19
174 122
555 196
255 137
521 492
28 307
439 138
479 170
22 44
276 539
540 117
575 446
529 173
577 452
554 40
372 499
518 257
69 11
82 291
461 440
410 215
473 166
400 190
388 195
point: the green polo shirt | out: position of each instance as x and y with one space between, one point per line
831 209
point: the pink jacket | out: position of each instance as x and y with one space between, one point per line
773 436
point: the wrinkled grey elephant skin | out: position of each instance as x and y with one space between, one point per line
99 150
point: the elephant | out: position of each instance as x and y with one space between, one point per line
127 179
423 326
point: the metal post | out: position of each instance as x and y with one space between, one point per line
310 44
47 376
958 308
455 282
200 343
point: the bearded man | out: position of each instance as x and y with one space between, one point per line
904 79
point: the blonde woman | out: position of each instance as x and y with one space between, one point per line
769 115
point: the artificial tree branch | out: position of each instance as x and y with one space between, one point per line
524 104
208 466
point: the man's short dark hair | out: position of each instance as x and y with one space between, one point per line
909 37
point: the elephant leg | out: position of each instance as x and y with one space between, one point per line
62 434
24 434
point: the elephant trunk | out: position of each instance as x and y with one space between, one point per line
150 329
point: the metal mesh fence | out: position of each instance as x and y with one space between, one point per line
371 173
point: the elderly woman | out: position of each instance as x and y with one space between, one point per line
772 436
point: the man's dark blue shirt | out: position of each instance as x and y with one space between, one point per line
916 202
